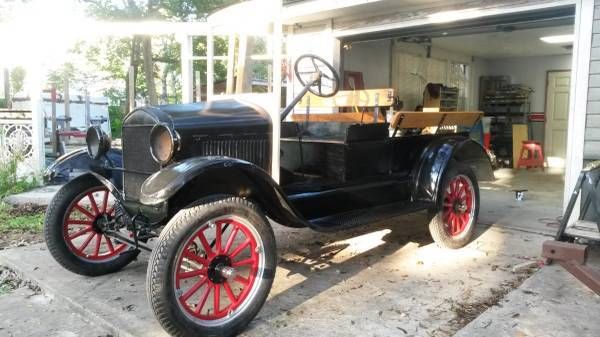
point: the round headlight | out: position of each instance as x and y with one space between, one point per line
98 142
164 142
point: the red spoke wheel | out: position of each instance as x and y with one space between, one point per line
454 224
215 264
74 229
82 228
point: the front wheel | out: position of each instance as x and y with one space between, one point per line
212 269
74 229
453 224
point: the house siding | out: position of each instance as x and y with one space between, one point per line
591 148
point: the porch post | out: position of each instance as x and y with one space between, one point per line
210 65
37 119
187 73
584 19
276 105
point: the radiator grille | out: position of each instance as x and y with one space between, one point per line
139 164
137 159
254 150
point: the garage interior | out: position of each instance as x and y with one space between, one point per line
514 68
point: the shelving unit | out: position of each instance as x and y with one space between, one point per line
440 97
507 104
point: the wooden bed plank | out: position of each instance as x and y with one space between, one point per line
419 119
343 117
350 98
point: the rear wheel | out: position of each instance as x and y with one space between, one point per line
73 229
453 224
212 269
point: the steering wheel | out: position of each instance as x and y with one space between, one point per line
313 69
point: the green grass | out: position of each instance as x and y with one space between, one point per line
15 220
11 183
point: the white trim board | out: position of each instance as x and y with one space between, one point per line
484 12
582 46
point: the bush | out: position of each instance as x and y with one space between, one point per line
3 103
116 120
10 182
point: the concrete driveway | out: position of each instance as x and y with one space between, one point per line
387 279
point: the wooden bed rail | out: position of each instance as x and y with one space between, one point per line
419 119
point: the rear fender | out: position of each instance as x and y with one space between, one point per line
430 169
79 160
188 181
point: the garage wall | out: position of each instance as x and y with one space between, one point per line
373 59
591 149
529 71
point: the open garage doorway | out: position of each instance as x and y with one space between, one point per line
516 69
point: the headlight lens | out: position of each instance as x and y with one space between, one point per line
164 142
98 142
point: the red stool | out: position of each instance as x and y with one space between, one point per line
534 158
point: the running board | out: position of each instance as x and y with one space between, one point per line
365 216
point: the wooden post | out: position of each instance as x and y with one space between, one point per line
276 105
198 86
210 66
149 70
241 64
67 102
230 64
88 121
35 76
131 91
54 133
7 97
187 69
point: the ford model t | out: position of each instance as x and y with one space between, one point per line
197 178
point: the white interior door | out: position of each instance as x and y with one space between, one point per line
557 116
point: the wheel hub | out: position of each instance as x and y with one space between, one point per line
220 269
101 222
460 207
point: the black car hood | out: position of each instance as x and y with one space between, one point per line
224 115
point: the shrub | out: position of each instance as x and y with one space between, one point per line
10 182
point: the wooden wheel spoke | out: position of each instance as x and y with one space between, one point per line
230 240
80 233
229 292
242 280
247 261
217 298
109 244
190 274
86 242
239 248
79 222
193 289
93 203
98 243
218 238
85 212
205 244
191 256
203 298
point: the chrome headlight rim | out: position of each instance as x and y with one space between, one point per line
174 142
98 141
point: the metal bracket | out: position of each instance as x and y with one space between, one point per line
376 109
572 257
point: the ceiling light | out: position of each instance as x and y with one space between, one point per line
558 38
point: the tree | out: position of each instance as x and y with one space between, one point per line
17 79
164 64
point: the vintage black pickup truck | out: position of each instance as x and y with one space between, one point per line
194 184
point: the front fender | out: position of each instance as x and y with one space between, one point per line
430 169
79 160
190 180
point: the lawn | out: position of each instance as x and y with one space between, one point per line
20 225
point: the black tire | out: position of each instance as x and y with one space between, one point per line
440 227
57 244
167 259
